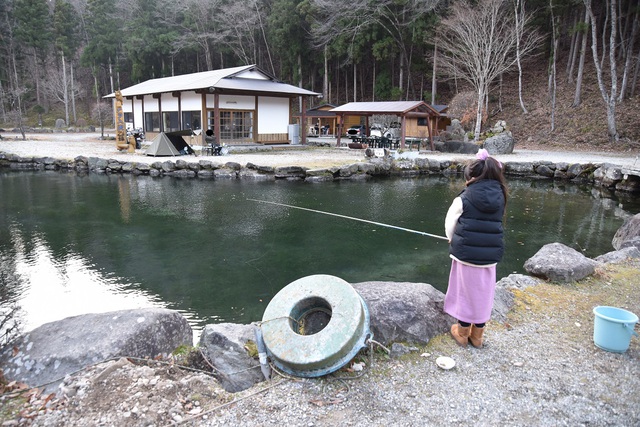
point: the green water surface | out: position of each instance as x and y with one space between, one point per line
75 244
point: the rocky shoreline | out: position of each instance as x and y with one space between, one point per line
606 175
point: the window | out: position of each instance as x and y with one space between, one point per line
191 120
170 121
422 121
211 120
152 122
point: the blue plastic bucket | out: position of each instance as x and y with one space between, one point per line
613 327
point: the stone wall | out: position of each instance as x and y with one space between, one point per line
606 175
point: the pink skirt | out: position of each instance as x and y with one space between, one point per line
470 293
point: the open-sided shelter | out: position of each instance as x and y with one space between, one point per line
241 105
321 121
416 117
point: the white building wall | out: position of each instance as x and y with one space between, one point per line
169 102
150 104
191 101
138 121
233 102
273 115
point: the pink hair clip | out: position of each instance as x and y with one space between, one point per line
482 154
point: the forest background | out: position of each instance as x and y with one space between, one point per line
560 72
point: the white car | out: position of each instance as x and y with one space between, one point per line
391 132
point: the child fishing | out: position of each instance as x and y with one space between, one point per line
473 226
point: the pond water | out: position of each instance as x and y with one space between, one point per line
74 244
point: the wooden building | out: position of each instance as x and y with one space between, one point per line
417 118
241 105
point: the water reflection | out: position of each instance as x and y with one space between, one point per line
100 243
54 287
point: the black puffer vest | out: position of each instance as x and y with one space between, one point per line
478 236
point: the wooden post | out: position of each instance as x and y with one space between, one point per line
303 119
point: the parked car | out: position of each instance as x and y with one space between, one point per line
357 130
392 131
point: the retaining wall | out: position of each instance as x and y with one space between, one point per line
601 174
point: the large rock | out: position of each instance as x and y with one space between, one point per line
461 147
620 256
45 355
408 312
628 235
454 132
223 345
501 143
559 263
504 298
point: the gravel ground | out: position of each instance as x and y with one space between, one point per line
540 367
70 145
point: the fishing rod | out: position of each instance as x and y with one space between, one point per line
422 233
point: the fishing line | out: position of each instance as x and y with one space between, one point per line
422 233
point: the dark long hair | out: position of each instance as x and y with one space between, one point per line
489 168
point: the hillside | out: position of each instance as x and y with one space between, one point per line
581 128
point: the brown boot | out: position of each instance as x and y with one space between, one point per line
476 336
460 334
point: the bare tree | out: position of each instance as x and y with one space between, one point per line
554 60
102 113
629 56
519 22
480 53
58 87
583 27
608 94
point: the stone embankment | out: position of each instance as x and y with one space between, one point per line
607 175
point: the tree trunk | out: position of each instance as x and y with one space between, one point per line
629 60
373 82
604 31
573 52
401 77
355 84
478 127
65 87
519 29
608 97
111 76
37 76
500 82
325 82
73 96
95 85
583 52
635 76
434 81
553 68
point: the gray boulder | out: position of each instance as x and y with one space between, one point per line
223 345
45 355
60 123
454 132
401 311
504 297
622 255
559 263
501 143
608 175
461 147
628 235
